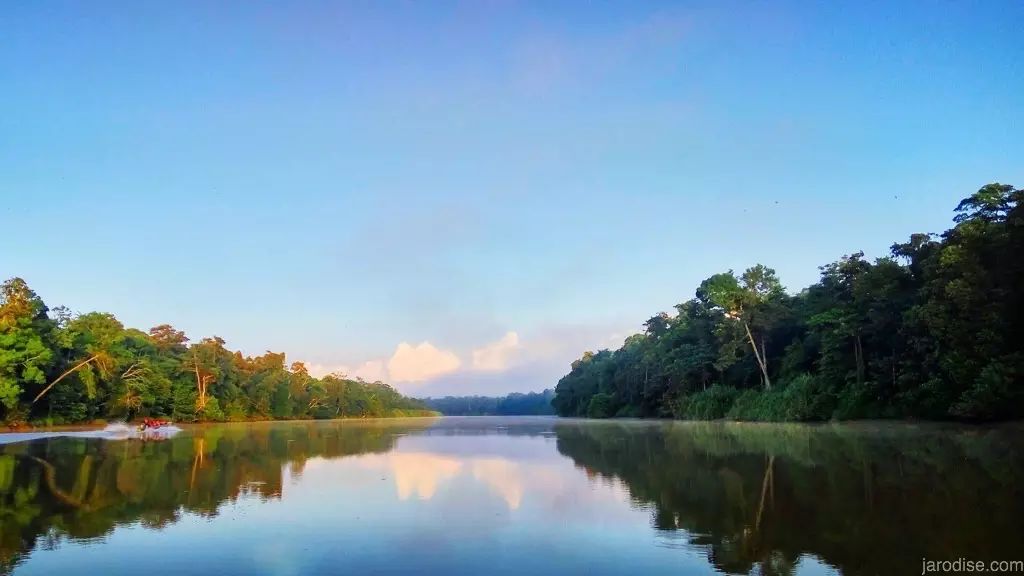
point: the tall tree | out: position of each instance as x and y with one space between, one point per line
94 351
25 341
748 300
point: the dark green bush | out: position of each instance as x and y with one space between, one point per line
628 411
758 406
861 401
710 404
993 395
805 399
601 406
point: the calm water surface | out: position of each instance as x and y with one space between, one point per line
513 496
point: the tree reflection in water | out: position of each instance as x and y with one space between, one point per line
82 488
865 498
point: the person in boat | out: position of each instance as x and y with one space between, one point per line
151 423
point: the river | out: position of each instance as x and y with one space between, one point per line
509 495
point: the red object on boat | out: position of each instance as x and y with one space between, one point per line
148 423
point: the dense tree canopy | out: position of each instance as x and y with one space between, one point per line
514 404
60 368
932 331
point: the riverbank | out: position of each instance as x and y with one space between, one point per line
802 399
99 424
27 427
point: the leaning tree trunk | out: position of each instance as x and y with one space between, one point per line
64 375
761 362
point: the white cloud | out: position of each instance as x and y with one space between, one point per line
538 360
498 355
370 371
509 364
321 370
421 362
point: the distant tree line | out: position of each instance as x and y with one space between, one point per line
56 367
515 404
934 330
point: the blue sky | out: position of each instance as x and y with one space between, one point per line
462 197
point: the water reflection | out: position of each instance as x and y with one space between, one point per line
81 488
514 495
866 498
421 473
415 473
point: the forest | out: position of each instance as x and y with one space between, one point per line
60 368
933 331
514 404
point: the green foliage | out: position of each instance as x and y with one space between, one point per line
26 333
600 406
859 401
932 331
805 399
800 400
211 411
628 411
758 406
9 392
710 404
69 369
183 407
996 392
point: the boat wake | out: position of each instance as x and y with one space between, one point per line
116 431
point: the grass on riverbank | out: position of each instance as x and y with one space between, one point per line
803 399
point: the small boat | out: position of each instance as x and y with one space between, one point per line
153 424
